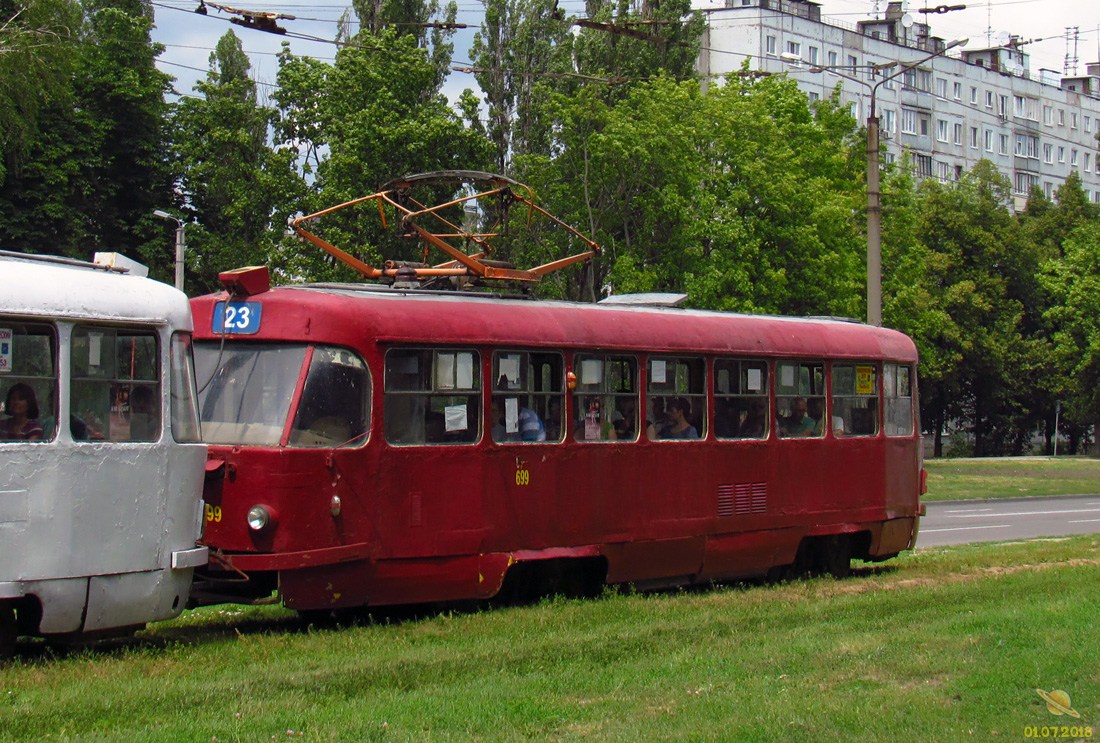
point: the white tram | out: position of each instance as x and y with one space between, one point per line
101 465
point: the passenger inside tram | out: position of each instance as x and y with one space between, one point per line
22 408
678 426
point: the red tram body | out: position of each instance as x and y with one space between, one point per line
370 454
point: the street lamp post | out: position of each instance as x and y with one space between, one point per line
874 195
181 244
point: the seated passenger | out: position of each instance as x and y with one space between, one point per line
528 425
678 426
754 425
22 406
798 423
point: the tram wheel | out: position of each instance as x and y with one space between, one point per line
9 630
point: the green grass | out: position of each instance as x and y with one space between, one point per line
944 644
961 479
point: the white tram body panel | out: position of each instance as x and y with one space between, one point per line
99 517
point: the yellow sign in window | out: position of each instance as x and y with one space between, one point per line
865 380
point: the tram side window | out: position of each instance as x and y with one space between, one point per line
433 396
800 400
740 399
855 400
677 397
607 398
28 381
897 393
527 396
334 408
185 396
115 384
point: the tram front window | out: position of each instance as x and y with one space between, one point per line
246 390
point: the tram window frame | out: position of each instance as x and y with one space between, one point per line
683 381
854 387
449 381
98 364
35 366
737 394
806 381
334 407
516 389
899 420
599 404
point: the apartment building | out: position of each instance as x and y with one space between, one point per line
949 112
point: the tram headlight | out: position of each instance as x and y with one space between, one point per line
261 517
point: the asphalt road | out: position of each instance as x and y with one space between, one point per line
960 522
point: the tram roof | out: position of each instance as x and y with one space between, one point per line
42 286
344 314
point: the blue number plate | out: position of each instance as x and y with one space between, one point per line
237 317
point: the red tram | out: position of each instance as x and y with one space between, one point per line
383 446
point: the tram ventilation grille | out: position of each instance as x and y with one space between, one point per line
742 498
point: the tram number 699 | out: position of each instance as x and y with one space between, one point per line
213 513
523 477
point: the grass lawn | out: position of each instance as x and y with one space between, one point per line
956 479
945 644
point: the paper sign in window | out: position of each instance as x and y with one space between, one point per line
508 366
591 371
657 371
445 371
786 376
511 415
95 345
754 380
5 350
465 376
456 417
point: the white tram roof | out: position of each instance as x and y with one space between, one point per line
48 286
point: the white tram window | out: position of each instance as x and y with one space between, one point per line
740 399
115 384
433 396
677 397
185 396
528 396
897 393
28 381
606 401
855 400
800 400
246 390
335 405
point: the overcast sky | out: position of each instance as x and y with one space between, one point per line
190 37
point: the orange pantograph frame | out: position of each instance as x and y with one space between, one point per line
462 264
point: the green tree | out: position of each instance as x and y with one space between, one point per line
238 190
37 45
979 271
98 167
521 44
373 115
1059 230
705 192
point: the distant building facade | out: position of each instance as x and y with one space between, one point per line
949 112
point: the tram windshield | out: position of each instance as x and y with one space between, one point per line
246 392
